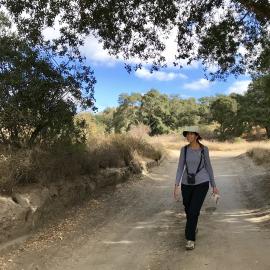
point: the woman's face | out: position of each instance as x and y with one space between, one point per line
191 137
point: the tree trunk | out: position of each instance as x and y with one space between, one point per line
268 132
36 132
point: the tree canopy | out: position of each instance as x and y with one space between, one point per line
257 103
39 93
231 34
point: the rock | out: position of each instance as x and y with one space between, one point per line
107 177
136 167
53 191
34 198
12 219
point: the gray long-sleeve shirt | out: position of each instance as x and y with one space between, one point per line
193 160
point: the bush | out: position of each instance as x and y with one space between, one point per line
207 132
70 161
139 131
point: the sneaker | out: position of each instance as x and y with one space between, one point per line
190 244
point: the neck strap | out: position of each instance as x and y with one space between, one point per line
202 154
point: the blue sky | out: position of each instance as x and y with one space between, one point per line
113 80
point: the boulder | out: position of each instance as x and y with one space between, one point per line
13 219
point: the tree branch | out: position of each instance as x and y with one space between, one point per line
261 10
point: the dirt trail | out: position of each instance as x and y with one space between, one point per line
140 226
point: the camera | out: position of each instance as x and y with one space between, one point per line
191 178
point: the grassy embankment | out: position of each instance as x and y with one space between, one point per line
22 167
25 166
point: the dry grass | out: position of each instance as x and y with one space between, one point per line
175 141
23 167
241 145
259 151
140 131
170 141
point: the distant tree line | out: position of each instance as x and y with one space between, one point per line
234 113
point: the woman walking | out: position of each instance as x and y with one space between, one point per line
195 170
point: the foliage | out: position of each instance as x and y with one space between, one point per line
38 97
224 111
221 32
126 113
106 118
160 112
257 103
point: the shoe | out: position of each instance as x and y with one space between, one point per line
190 244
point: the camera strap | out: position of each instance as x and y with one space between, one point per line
202 154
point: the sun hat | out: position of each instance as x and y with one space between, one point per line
194 129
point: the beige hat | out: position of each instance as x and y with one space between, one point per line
194 129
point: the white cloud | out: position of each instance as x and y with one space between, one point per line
239 87
50 33
94 51
242 50
212 68
197 85
170 51
159 75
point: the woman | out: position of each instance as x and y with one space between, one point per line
195 170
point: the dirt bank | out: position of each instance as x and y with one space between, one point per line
32 205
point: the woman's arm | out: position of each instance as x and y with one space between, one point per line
180 168
208 166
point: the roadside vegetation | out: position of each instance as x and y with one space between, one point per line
50 128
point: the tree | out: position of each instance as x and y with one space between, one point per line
106 118
225 33
204 109
224 111
257 103
175 107
127 113
188 114
155 112
240 122
160 112
38 98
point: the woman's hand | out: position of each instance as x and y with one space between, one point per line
215 190
176 193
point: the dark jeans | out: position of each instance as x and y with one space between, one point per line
193 198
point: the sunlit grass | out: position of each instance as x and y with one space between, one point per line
175 141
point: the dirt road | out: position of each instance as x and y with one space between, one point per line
139 226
